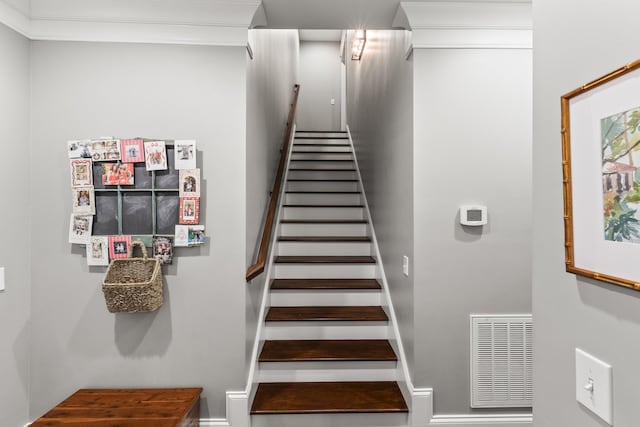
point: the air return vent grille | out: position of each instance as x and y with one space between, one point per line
501 361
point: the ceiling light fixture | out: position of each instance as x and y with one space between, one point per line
359 40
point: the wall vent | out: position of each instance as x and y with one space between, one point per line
501 361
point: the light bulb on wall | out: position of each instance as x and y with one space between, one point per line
359 40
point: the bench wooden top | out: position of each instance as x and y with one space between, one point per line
167 407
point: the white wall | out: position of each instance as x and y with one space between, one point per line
82 90
379 105
321 81
14 228
472 144
271 76
571 312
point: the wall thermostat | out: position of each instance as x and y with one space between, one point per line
473 215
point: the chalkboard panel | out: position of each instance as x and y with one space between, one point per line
105 222
136 213
167 208
168 179
142 177
98 170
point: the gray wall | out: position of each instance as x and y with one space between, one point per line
270 79
379 105
571 312
14 228
82 90
320 79
472 144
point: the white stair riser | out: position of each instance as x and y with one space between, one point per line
296 164
324 298
323 147
331 420
349 371
322 199
331 271
323 156
322 186
323 229
323 213
318 174
325 248
325 330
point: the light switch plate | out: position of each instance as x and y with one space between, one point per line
594 385
405 265
2 285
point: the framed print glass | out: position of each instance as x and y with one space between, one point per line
601 177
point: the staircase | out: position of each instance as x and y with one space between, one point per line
326 357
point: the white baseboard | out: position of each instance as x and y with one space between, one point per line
211 422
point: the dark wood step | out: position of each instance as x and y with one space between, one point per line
320 170
326 284
322 137
322 180
324 259
327 313
322 192
328 397
323 206
323 221
322 145
325 239
321 131
320 152
322 160
327 350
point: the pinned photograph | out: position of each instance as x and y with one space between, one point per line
163 249
103 150
117 174
98 250
185 154
81 172
84 201
155 155
80 229
119 246
196 235
132 150
79 149
181 236
190 183
189 210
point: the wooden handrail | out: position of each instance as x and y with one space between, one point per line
258 267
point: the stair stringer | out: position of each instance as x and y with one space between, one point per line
252 377
412 398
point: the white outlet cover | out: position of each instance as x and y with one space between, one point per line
2 285
590 370
405 265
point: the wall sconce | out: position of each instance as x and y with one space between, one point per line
359 40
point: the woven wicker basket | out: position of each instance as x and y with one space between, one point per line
133 285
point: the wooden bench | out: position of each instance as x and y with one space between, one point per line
170 407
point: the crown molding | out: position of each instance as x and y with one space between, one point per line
198 22
467 25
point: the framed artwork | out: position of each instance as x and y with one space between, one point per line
185 154
189 210
600 151
98 250
163 249
79 149
117 174
80 229
132 150
181 236
119 247
105 150
189 182
84 200
81 172
155 155
196 235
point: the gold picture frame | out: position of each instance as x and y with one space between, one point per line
601 183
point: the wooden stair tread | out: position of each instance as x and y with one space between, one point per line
323 206
324 259
327 313
322 239
322 160
327 350
322 137
322 192
322 180
328 397
321 131
320 170
323 221
320 152
322 145
315 284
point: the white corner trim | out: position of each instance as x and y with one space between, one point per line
238 409
14 19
